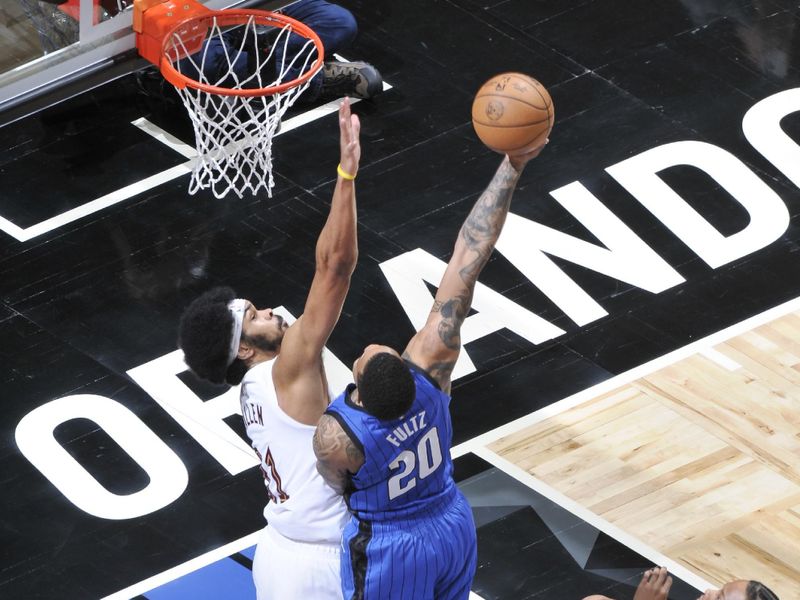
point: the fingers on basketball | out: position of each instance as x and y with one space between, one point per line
513 113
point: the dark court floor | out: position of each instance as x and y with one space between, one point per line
607 272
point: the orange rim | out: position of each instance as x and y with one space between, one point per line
240 17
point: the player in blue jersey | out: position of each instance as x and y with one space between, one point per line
385 442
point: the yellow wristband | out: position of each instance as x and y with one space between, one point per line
344 174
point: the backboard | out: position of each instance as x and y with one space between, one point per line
51 49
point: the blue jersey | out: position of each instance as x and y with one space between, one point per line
407 466
411 536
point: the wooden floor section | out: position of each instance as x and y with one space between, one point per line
700 460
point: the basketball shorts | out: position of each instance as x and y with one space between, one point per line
284 568
433 556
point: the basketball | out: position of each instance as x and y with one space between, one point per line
512 113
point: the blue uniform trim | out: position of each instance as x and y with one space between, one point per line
343 422
358 558
423 372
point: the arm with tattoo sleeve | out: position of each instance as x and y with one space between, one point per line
436 346
337 456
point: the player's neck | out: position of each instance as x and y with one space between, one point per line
261 356
354 398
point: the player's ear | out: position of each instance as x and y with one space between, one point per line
246 351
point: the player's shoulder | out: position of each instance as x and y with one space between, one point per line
342 403
256 378
422 377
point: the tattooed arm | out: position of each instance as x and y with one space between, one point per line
337 456
436 346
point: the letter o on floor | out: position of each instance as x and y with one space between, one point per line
167 473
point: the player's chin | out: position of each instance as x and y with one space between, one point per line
281 333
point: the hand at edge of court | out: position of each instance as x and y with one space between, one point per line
519 160
655 585
349 143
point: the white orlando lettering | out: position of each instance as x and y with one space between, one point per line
618 253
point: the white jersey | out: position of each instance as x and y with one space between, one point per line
302 506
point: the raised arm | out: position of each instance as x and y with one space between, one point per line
436 346
336 256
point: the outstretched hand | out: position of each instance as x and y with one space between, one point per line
519 160
349 144
655 585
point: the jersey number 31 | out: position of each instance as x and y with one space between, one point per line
428 456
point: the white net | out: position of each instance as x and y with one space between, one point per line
234 133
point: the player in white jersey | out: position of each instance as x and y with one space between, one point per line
284 393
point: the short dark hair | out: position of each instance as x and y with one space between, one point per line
385 387
758 591
204 335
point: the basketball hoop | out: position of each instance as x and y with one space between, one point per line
235 101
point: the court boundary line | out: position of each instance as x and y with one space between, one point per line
703 346
596 521
24 234
190 566
479 446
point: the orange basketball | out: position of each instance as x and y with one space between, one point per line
512 113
